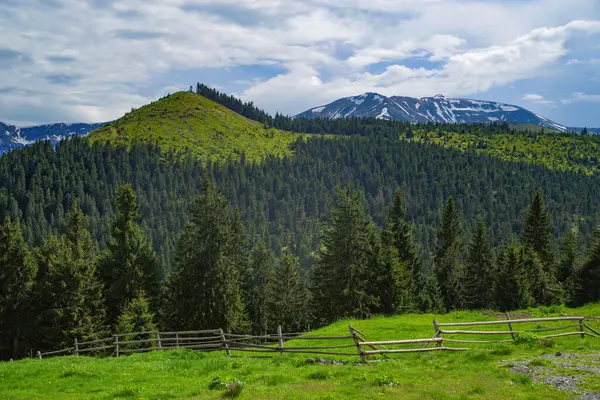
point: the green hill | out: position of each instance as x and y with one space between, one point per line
486 371
209 130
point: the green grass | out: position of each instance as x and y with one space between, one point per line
556 151
481 373
188 121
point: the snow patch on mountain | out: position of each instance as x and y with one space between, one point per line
439 109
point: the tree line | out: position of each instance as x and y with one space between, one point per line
66 288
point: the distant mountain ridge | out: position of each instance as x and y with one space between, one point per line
12 137
428 109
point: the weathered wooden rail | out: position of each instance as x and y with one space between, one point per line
577 329
218 340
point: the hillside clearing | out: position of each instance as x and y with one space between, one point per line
483 372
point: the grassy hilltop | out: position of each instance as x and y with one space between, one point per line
209 130
484 372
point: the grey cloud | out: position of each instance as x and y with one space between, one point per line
135 34
61 59
62 79
10 57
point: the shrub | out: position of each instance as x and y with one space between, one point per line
385 380
502 350
526 338
234 389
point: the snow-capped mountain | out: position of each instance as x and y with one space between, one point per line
427 109
12 137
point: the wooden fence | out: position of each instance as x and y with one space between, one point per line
218 340
577 327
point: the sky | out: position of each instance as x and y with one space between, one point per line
93 60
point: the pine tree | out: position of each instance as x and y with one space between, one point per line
136 318
512 287
393 281
587 287
537 233
430 298
204 288
569 264
342 277
287 296
69 296
257 281
129 264
403 241
448 258
479 270
17 272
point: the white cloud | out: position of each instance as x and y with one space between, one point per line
577 61
91 63
468 72
537 99
580 97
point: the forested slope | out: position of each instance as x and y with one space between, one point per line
282 199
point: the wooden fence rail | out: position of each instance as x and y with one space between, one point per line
218 340
577 329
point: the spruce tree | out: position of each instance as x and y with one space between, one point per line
569 264
512 287
537 234
393 280
129 264
204 289
17 272
287 296
256 293
69 296
430 298
479 269
342 276
587 286
403 241
448 258
136 318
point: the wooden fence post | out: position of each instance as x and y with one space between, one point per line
581 329
224 341
116 342
39 354
76 347
356 342
510 326
437 332
177 339
159 342
280 337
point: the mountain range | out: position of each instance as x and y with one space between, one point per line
12 137
438 109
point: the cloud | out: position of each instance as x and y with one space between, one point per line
465 73
537 99
90 60
579 97
577 61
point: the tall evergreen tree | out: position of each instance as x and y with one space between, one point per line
17 272
430 298
136 318
449 267
393 281
342 276
479 270
256 283
403 241
587 287
205 286
512 286
569 264
537 233
287 295
68 294
129 264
